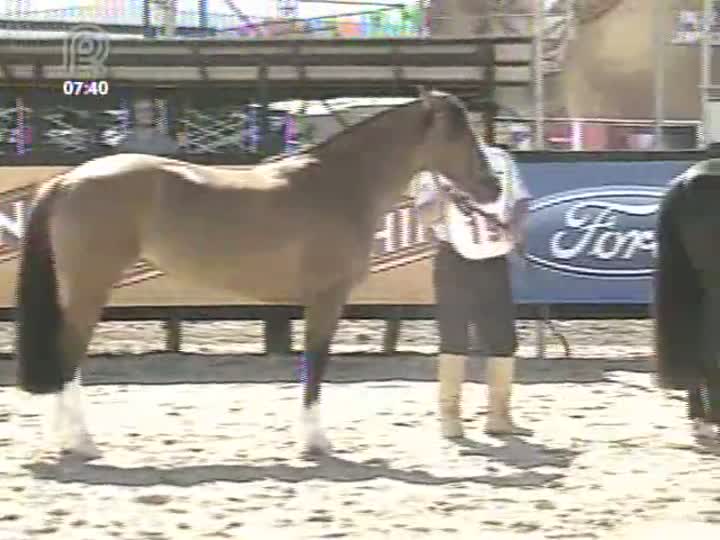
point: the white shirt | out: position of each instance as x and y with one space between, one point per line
477 237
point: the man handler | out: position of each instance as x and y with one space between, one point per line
471 279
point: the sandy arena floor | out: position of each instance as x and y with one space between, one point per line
208 451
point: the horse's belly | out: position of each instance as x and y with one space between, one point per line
271 276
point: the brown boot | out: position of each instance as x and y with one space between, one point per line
451 375
500 373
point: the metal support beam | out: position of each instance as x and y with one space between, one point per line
148 30
169 18
540 340
706 68
539 74
203 12
173 334
391 336
490 107
278 335
659 80
263 99
6 72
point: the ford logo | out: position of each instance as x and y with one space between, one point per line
606 232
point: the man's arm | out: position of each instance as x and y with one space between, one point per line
520 212
519 221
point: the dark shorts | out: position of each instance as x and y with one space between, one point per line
474 293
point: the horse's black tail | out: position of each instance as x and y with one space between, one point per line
38 312
677 301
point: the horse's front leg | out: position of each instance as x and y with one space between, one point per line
321 319
697 413
713 400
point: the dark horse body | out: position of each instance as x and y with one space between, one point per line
687 292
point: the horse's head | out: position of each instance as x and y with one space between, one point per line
452 150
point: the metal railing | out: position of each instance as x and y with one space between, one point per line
583 134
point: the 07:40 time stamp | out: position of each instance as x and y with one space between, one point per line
86 88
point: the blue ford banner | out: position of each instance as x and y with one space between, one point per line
592 231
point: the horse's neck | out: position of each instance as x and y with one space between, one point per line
377 160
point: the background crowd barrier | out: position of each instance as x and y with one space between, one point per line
589 254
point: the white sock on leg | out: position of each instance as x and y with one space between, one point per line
78 439
314 438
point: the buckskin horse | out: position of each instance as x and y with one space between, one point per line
298 228
687 293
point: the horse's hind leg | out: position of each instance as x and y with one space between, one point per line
713 399
81 312
322 314
697 411
84 287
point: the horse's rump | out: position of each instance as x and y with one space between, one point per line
685 303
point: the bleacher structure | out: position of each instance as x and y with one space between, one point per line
214 85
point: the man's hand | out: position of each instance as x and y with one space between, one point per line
519 244
517 227
463 202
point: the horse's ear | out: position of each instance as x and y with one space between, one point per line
425 96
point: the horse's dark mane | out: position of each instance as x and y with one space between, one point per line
370 119
457 116
312 148
304 149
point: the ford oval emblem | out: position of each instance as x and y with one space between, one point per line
606 232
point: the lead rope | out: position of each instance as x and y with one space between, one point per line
526 261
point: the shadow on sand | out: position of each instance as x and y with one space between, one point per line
516 453
167 368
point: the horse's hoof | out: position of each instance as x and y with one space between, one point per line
316 445
86 450
705 430
315 451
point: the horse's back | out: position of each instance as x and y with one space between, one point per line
154 188
693 204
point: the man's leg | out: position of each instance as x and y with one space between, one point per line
452 318
494 318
